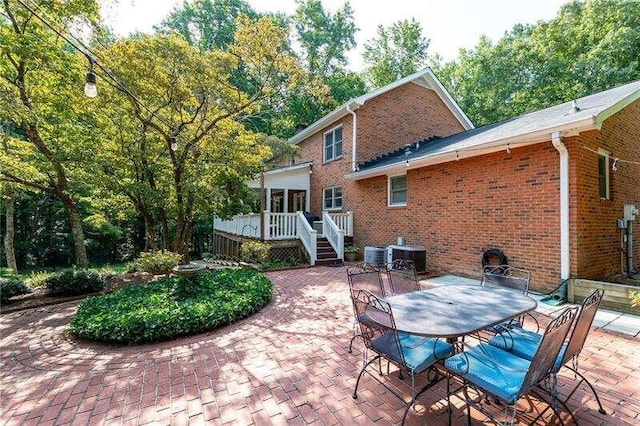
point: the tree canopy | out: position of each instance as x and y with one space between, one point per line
186 115
396 51
589 47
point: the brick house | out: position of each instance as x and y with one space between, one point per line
546 188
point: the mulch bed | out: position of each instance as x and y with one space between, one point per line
40 297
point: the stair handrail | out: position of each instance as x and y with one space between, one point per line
333 234
308 236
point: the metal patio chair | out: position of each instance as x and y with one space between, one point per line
523 343
364 277
402 277
491 371
513 278
413 354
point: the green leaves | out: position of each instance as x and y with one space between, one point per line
149 312
396 52
589 47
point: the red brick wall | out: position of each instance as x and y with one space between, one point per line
595 240
406 114
507 201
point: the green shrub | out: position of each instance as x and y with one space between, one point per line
10 287
254 251
207 256
72 282
151 312
157 262
37 279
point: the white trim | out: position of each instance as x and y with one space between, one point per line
425 76
604 153
457 152
333 197
333 144
604 114
288 168
389 179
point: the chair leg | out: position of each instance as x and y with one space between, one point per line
449 399
355 391
351 343
601 410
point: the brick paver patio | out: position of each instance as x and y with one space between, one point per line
288 364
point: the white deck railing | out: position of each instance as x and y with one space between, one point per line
344 221
247 225
308 236
280 226
289 226
333 234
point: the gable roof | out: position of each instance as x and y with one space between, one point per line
424 77
528 129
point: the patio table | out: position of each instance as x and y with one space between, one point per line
455 311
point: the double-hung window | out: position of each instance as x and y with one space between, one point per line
398 190
332 198
603 174
332 144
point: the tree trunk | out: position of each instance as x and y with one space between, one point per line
9 204
150 243
76 230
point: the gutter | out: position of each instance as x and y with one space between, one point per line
564 205
354 134
482 148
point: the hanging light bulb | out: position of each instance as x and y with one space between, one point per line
90 89
174 144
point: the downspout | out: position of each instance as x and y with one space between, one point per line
354 133
564 204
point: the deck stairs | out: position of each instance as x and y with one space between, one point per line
326 254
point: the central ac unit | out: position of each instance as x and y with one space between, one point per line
416 254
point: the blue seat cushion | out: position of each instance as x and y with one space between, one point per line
419 352
490 368
523 343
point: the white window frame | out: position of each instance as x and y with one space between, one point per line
390 202
602 153
333 145
333 198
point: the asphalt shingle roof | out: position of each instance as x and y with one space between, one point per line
592 108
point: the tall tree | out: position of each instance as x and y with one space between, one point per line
190 114
590 46
207 24
8 200
324 39
395 52
40 92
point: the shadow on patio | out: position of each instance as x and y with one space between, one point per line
288 364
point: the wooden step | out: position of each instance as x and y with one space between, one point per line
329 262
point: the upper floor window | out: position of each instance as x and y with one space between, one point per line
332 198
333 144
398 190
603 174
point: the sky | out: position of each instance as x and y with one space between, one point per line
449 24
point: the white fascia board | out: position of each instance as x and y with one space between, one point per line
426 74
450 102
608 112
539 136
288 168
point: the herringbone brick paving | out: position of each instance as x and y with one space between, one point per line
288 364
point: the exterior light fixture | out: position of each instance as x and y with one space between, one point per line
90 89
174 144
